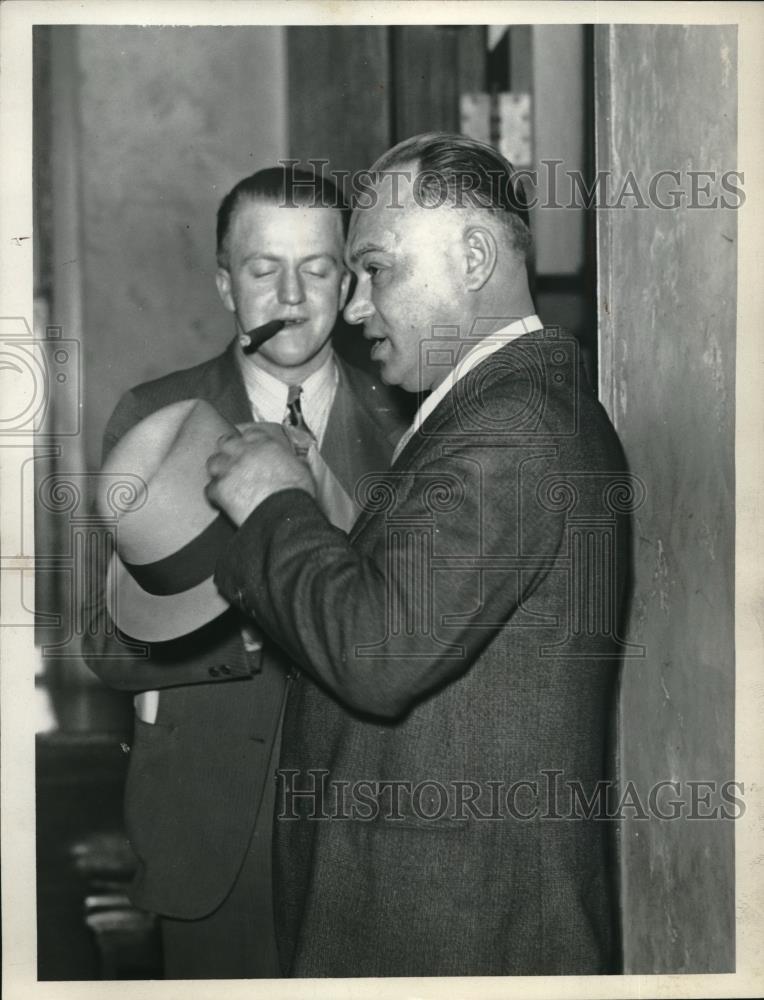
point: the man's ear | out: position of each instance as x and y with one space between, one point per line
481 255
344 289
223 281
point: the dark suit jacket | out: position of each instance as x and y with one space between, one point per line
197 775
449 640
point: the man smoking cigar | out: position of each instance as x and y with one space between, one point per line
210 693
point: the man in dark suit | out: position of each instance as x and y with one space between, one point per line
458 650
200 789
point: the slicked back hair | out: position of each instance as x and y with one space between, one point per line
452 169
281 185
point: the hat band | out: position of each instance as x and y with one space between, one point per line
187 567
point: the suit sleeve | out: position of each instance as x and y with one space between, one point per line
383 624
121 662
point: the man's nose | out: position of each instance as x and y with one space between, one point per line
360 307
291 291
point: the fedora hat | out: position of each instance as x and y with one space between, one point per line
159 583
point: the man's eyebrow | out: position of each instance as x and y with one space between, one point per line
364 248
274 257
256 255
319 256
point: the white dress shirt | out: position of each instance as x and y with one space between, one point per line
268 401
268 395
482 349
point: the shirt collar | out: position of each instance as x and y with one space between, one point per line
482 349
268 394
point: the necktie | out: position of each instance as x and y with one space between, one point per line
304 438
294 415
331 496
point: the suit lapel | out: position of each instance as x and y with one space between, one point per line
353 444
389 410
225 388
445 414
462 397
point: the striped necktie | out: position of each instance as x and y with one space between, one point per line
294 418
293 415
331 496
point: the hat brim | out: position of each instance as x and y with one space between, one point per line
159 618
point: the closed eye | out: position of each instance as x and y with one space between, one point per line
374 271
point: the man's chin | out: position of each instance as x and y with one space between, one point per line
388 377
384 374
293 349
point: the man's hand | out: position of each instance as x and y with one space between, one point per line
250 465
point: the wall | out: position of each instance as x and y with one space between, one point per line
354 91
558 134
555 64
340 92
666 99
170 119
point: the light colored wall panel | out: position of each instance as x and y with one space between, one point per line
666 99
171 118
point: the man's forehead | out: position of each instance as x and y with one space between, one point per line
365 221
396 184
254 208
380 222
260 219
391 226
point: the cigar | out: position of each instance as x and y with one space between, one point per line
258 336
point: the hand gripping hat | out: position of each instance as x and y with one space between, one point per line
159 583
